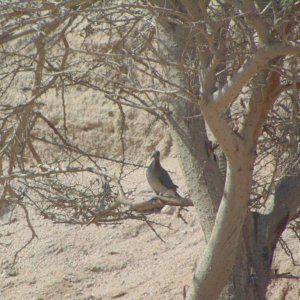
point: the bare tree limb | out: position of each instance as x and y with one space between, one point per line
223 98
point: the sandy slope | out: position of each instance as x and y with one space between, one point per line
125 261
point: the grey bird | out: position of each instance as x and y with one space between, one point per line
159 179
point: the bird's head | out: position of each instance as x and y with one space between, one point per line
155 154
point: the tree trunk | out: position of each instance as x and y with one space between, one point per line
248 248
202 176
216 264
252 271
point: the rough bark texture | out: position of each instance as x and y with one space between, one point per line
252 271
202 175
198 168
214 270
229 232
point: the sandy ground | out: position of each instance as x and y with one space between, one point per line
121 261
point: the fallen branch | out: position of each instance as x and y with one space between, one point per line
124 206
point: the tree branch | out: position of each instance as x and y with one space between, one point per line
223 98
127 206
56 171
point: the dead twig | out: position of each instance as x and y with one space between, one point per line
33 233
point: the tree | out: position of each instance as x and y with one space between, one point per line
228 66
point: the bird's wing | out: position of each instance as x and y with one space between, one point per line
166 180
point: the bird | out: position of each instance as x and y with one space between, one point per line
159 179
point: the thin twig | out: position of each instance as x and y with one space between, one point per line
152 228
33 233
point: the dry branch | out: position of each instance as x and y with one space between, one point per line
128 207
180 61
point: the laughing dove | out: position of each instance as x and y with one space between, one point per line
159 179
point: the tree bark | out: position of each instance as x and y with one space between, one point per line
203 178
216 264
232 245
252 272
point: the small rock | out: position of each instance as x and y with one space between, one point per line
168 210
119 295
12 273
90 284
